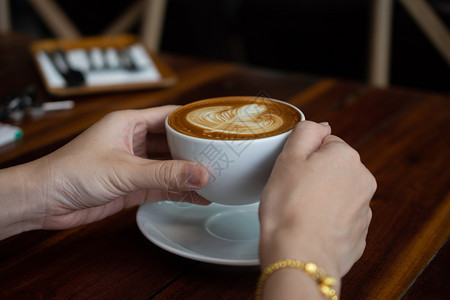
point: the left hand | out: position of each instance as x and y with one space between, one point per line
106 169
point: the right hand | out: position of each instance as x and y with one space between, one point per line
315 206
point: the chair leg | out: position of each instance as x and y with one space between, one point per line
380 44
55 18
430 23
152 23
5 16
127 19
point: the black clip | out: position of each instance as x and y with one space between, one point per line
15 105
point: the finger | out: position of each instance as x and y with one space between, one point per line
339 148
306 138
330 139
155 117
168 175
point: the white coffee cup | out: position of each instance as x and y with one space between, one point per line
239 169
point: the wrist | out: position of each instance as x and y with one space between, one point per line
283 244
289 284
21 199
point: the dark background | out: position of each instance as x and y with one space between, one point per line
326 38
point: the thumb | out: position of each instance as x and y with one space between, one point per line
170 175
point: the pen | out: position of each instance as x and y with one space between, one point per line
9 133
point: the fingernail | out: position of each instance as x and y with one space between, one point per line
324 123
194 175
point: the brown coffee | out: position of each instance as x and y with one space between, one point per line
234 118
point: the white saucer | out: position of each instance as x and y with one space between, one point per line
219 234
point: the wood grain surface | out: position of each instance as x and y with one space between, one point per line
401 134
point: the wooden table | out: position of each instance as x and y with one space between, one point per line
402 136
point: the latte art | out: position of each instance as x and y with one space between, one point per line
234 118
248 119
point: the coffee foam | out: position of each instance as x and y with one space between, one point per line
234 118
248 119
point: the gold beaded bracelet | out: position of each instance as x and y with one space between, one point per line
325 282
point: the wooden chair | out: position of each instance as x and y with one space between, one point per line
151 11
425 17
